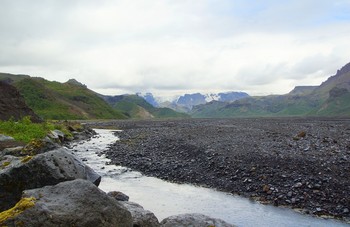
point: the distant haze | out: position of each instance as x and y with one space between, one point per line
172 47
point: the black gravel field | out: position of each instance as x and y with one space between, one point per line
302 163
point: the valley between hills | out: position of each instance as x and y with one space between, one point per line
74 100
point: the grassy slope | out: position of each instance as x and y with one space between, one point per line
136 107
13 77
315 103
54 100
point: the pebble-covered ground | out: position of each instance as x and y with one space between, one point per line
299 163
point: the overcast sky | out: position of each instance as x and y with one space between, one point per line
175 46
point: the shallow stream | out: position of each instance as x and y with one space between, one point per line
165 199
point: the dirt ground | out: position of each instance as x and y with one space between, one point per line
302 163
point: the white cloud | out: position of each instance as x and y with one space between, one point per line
176 46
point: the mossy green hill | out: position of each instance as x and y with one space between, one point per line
54 100
138 108
73 100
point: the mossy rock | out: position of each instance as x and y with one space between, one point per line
36 146
21 206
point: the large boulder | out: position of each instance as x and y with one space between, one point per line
193 220
71 203
50 168
140 216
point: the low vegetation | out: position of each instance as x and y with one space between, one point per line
64 101
25 130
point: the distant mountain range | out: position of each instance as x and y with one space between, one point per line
331 98
73 100
186 102
137 107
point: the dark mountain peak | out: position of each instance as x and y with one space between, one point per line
343 70
232 96
75 82
191 100
340 79
149 98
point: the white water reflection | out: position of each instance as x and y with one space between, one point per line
165 199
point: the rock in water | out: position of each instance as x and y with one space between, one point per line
71 203
120 196
140 216
193 220
50 168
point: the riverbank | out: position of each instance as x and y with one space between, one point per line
298 163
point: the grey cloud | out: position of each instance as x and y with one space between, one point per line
171 45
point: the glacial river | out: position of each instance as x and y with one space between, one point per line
165 199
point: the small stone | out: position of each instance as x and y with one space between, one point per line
120 196
297 185
290 194
317 186
266 188
301 134
293 200
346 211
318 209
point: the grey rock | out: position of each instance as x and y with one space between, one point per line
297 185
193 220
4 138
57 135
12 150
140 216
49 168
120 196
72 203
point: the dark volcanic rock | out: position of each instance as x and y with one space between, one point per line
194 220
72 203
18 174
259 158
140 216
12 104
120 196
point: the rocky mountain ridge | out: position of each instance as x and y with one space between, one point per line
331 98
186 102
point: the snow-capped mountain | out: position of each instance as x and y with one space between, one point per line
184 103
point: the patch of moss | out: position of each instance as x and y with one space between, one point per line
21 206
5 164
33 147
26 158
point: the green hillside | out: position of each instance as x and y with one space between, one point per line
10 78
54 100
137 108
331 98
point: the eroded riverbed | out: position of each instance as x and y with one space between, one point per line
165 199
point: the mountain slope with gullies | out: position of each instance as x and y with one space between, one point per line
54 100
331 98
12 104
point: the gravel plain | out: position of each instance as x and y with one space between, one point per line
302 163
